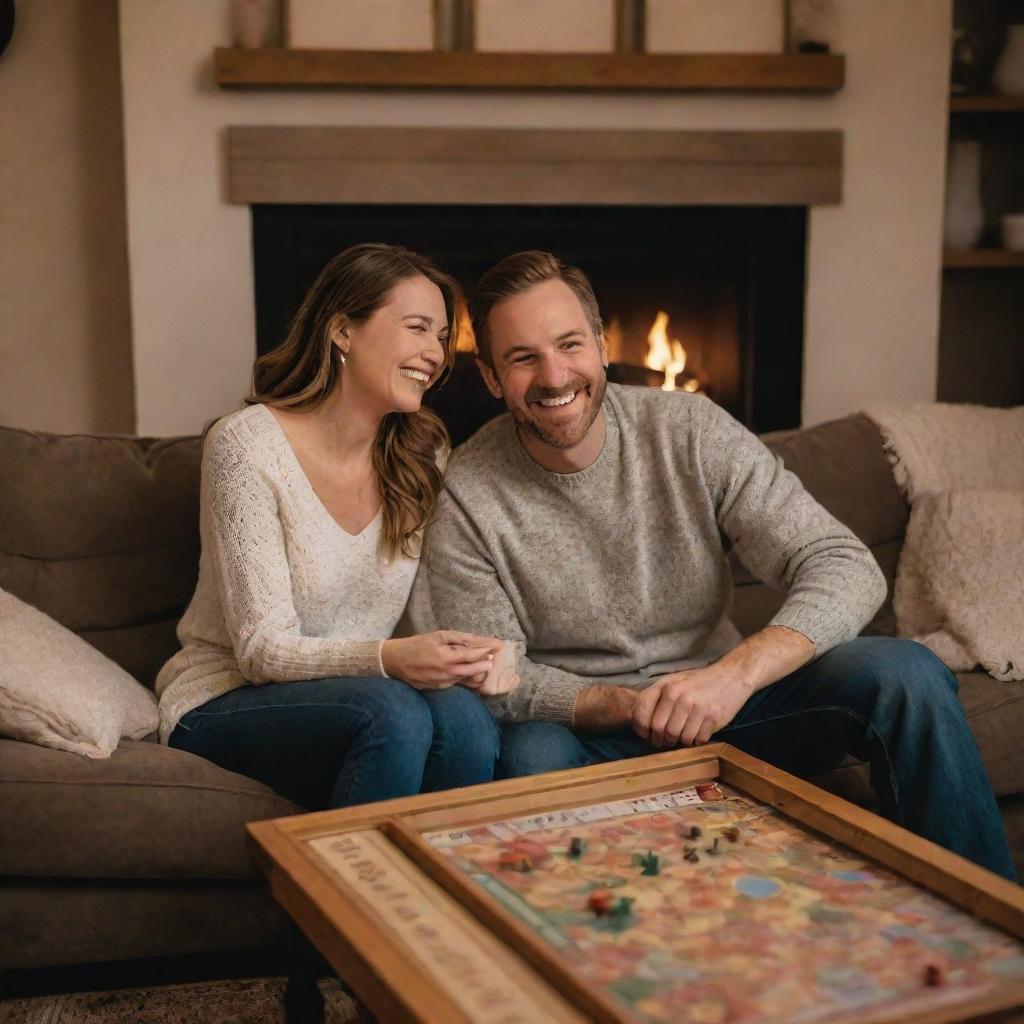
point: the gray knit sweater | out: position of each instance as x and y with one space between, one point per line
616 574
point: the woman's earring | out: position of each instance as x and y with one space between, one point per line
341 356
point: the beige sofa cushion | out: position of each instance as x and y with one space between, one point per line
58 691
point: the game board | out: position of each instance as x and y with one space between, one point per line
777 924
689 886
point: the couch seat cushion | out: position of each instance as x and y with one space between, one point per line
147 812
995 710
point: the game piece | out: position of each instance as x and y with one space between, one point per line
713 848
695 832
622 909
576 847
691 855
650 863
600 902
514 860
934 976
732 834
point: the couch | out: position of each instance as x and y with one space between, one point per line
144 855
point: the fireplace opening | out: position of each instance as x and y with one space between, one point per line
712 294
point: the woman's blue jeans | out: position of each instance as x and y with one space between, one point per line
889 702
339 742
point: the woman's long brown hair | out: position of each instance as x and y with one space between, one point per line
303 370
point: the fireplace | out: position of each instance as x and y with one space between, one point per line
730 280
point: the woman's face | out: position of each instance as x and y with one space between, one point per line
395 355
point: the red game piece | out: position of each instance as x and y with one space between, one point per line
514 860
934 976
600 902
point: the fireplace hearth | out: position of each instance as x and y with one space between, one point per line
729 279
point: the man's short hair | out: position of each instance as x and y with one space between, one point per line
518 273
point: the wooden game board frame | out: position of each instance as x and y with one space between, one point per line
373 956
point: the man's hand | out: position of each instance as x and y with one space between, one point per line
690 707
603 708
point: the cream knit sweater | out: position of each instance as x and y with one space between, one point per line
284 592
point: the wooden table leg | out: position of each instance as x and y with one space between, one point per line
303 1000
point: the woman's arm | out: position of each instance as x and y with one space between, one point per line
242 525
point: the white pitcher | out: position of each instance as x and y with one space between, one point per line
965 217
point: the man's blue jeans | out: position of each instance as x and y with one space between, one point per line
338 742
889 702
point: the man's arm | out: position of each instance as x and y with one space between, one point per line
785 538
456 586
689 707
788 541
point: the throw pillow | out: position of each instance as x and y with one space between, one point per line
58 691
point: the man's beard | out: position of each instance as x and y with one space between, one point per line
594 396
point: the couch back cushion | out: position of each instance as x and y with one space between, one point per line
843 464
102 534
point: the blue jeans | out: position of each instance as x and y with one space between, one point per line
889 702
338 742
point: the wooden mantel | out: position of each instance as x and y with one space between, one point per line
287 164
707 72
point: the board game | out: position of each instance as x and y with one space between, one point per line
696 886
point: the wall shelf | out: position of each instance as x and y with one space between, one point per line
708 72
983 259
993 104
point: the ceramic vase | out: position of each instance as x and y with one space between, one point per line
1008 76
965 217
252 23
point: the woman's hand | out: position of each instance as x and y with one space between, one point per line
433 661
503 675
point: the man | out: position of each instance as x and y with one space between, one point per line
586 526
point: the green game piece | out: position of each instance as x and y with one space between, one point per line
622 909
576 847
650 863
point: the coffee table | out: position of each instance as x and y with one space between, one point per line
691 885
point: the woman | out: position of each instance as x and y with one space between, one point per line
313 502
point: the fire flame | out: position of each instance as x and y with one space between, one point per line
665 356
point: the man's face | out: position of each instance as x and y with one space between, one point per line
547 364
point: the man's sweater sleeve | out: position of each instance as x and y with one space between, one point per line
463 592
786 538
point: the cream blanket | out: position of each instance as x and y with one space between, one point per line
960 578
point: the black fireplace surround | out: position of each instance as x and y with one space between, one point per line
731 279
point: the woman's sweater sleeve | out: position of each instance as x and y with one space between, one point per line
242 527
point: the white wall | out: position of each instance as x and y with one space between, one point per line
874 261
65 349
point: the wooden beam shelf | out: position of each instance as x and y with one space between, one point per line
986 104
983 259
705 72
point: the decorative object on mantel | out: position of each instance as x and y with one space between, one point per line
965 217
716 26
810 25
255 23
545 26
395 25
1008 77
1013 231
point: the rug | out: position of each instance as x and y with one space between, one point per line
238 1001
